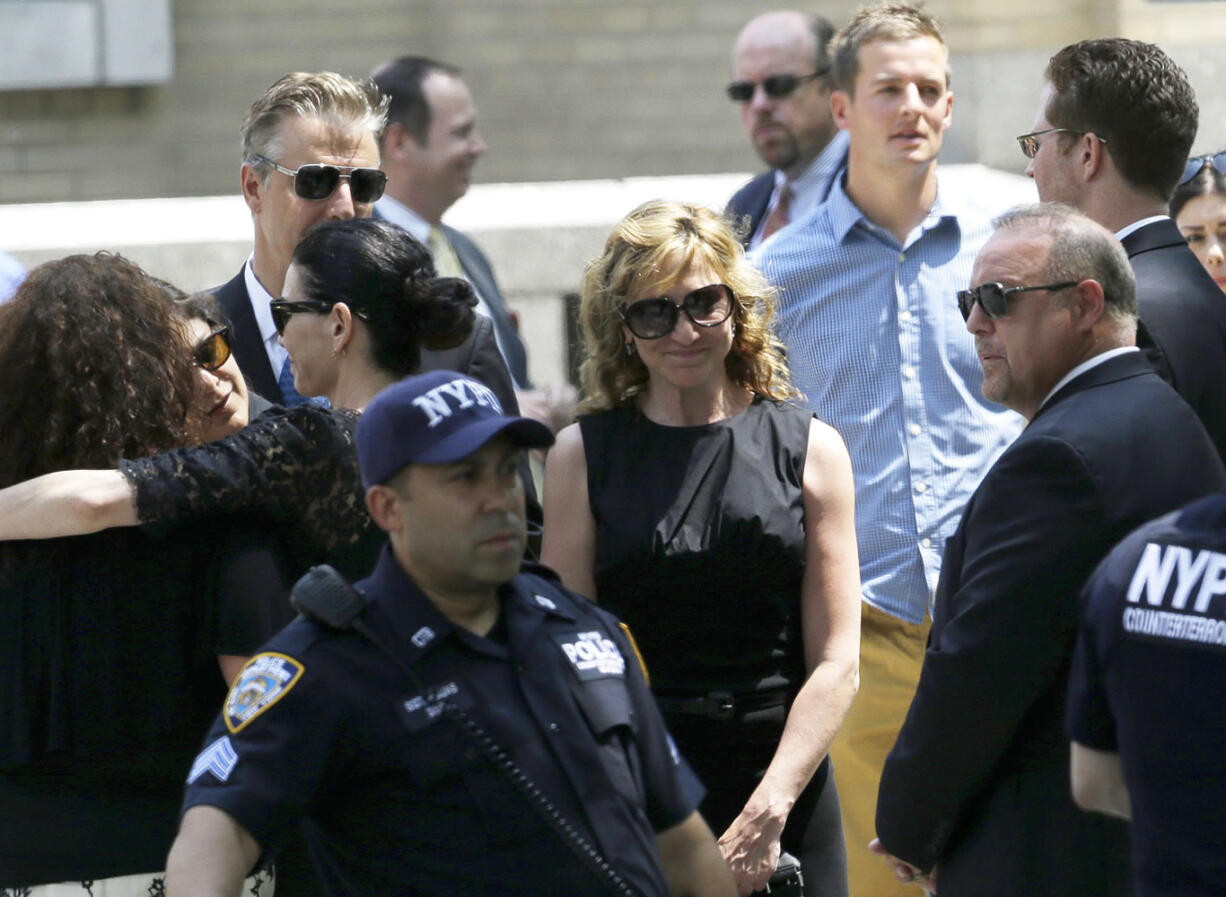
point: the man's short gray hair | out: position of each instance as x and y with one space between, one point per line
345 104
1079 248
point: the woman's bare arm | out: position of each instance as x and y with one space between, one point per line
66 503
830 623
569 542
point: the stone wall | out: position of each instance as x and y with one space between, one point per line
566 88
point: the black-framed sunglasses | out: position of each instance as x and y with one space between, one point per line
1030 142
707 306
214 350
284 309
1196 163
993 298
317 181
776 86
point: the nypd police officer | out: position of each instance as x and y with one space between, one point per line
1145 698
454 724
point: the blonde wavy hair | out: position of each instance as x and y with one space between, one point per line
651 249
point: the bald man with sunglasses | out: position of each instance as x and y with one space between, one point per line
974 798
311 154
780 85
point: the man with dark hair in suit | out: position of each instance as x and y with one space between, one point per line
977 784
780 69
310 154
1111 136
429 148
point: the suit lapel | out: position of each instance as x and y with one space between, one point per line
248 346
478 275
1133 364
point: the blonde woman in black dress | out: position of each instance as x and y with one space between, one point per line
715 516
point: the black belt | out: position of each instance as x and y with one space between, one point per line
722 704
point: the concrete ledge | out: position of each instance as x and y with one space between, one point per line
539 236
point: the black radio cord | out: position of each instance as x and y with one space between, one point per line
324 595
581 847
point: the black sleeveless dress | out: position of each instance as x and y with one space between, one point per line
700 550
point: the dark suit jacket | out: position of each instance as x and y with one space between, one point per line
480 274
977 782
477 356
748 205
248 347
1183 322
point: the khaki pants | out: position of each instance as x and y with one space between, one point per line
891 653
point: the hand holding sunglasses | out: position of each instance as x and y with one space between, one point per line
317 181
653 318
993 298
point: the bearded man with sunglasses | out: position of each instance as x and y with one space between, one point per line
780 69
977 786
1111 137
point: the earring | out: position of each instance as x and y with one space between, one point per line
338 353
630 347
734 329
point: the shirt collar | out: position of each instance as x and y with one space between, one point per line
419 624
845 214
402 216
1088 364
260 298
1137 225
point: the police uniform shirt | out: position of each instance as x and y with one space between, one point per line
1148 680
400 800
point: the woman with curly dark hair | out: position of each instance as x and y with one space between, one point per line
362 301
95 368
108 671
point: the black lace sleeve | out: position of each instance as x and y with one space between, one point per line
297 465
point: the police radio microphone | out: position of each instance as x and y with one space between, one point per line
323 595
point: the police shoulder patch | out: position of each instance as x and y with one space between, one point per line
266 679
592 655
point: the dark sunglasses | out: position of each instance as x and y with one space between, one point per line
283 309
214 350
707 306
1196 163
993 298
1030 142
317 181
776 86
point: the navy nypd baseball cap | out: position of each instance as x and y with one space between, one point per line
435 418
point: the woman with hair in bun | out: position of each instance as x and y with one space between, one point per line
362 300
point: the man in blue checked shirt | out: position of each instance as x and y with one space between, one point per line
876 343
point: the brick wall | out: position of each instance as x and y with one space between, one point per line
565 88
